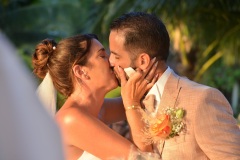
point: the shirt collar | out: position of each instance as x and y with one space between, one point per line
158 87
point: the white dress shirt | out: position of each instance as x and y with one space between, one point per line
158 87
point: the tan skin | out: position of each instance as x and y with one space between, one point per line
119 56
78 118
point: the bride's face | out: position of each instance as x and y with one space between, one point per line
98 68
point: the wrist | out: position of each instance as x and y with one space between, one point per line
132 107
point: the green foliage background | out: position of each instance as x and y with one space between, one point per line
205 44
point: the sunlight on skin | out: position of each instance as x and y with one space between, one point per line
68 119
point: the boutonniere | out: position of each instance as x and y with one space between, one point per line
164 125
167 123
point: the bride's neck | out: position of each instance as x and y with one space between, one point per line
91 102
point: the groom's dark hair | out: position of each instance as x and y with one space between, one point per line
143 33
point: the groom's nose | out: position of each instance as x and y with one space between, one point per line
111 60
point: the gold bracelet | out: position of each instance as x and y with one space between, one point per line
132 107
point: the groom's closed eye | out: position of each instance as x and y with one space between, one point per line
114 55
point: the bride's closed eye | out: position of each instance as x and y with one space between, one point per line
103 54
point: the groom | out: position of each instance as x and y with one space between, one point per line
211 131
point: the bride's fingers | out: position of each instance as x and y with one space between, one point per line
151 74
154 80
122 76
146 70
138 75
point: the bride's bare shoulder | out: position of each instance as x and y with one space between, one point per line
70 114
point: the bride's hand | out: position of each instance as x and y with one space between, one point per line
133 89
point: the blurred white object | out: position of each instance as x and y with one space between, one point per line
48 94
129 71
28 132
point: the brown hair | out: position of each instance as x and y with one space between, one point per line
58 60
143 33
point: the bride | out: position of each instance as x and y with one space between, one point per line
79 69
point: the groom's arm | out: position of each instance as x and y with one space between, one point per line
216 129
112 110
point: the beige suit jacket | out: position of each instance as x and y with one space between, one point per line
211 129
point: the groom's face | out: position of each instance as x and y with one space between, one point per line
119 56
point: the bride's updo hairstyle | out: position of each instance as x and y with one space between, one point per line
58 60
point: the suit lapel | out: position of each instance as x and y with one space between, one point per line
171 91
169 98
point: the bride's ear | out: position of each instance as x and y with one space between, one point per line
80 72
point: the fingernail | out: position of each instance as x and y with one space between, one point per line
118 68
156 64
154 59
157 75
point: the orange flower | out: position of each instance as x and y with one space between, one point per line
161 127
